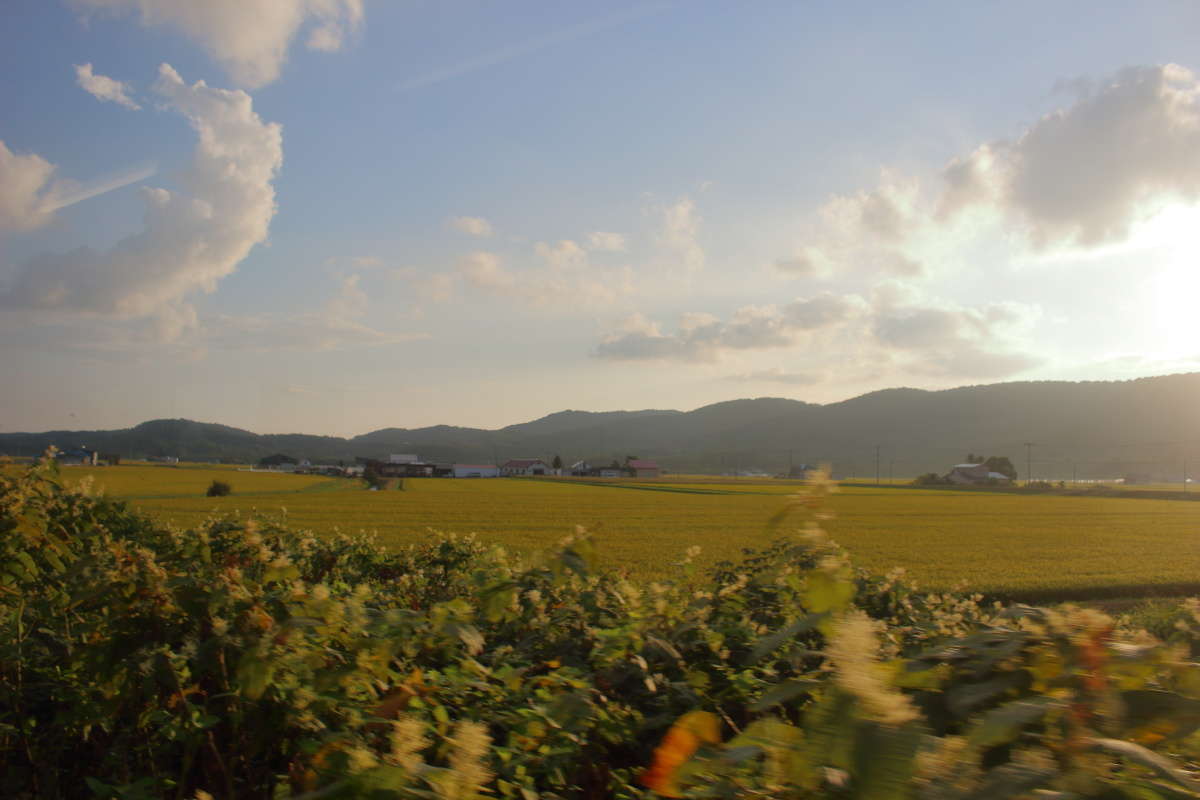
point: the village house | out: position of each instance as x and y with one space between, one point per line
643 468
525 466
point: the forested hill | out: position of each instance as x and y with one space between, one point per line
1149 426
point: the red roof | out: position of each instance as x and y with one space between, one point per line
642 463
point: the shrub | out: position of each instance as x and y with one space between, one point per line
244 659
218 489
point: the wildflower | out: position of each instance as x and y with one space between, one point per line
408 740
468 775
852 653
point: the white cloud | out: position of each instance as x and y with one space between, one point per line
104 88
704 337
947 340
482 270
897 326
865 231
24 190
564 255
1086 173
680 229
606 242
190 240
472 226
1083 176
250 38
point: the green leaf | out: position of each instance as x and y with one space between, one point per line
773 641
782 693
1002 725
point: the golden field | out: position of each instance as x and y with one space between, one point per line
1010 544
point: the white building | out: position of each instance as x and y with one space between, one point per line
476 471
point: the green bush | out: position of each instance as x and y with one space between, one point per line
218 489
243 659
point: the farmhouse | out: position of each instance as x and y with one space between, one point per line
975 474
643 468
525 466
476 471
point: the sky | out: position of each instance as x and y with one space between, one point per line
334 216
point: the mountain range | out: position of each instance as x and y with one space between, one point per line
1090 429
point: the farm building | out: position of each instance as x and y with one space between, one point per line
525 466
643 468
403 458
967 474
476 471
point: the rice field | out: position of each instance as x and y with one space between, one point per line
1025 546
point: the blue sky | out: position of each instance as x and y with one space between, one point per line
338 215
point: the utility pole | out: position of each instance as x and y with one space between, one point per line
790 467
1028 462
876 465
1185 475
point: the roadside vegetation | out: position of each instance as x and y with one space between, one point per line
243 658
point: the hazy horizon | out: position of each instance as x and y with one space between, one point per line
345 215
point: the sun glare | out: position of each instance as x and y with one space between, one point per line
1175 287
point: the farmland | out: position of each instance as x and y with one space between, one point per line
1040 546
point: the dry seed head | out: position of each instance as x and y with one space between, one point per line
852 653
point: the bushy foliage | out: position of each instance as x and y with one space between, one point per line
243 659
218 489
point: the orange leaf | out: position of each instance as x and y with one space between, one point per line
677 747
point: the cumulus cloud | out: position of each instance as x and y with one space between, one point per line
25 182
1082 176
104 88
472 226
704 337
250 38
1086 173
191 239
606 242
865 231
